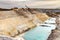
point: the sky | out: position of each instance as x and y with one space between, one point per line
27 0
44 4
32 4
13 0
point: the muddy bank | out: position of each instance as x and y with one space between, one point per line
55 35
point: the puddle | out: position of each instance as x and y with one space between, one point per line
40 32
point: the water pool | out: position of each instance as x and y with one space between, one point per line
39 32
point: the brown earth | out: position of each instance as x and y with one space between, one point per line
9 20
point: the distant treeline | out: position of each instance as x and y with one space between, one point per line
37 9
5 9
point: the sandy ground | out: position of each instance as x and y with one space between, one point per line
55 35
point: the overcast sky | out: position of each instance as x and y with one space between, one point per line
32 4
28 0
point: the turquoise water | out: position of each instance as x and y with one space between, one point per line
40 32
